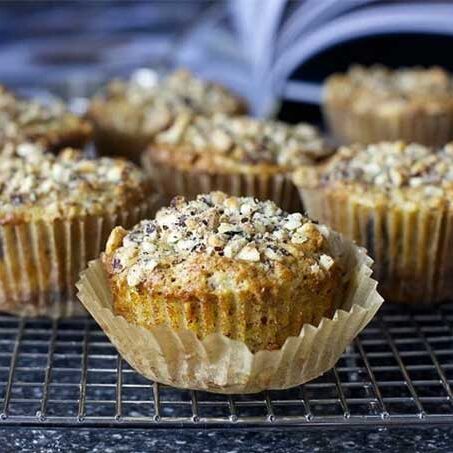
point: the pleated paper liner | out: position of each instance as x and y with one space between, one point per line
222 365
431 129
410 244
171 181
40 261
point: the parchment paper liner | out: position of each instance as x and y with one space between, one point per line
221 365
348 126
40 261
172 181
410 245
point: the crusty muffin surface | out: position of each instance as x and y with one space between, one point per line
225 264
51 125
385 91
391 172
237 144
38 185
181 91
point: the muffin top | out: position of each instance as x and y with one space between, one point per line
26 120
37 185
391 171
387 91
240 143
151 107
216 239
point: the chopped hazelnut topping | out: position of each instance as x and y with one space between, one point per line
178 93
34 182
247 140
386 91
412 168
22 119
213 224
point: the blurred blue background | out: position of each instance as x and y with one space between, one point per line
70 48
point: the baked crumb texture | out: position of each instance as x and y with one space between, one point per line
50 125
56 213
128 116
368 105
238 155
394 199
220 263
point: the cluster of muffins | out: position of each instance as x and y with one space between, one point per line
230 287
129 114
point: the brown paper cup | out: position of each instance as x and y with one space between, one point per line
348 126
221 365
410 244
171 181
40 261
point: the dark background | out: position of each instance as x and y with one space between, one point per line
72 47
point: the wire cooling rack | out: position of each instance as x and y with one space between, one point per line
66 373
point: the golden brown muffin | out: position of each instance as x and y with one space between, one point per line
56 213
235 266
240 155
369 105
52 126
131 113
395 200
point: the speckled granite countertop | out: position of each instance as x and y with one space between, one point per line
115 440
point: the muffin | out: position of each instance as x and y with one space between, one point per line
224 264
395 200
52 126
129 115
242 156
369 105
56 212
230 295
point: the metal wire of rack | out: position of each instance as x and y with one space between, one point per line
66 373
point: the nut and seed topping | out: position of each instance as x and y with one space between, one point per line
34 182
23 120
387 91
181 91
213 225
246 140
386 166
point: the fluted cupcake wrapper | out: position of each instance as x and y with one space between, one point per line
434 129
40 261
410 245
222 365
171 181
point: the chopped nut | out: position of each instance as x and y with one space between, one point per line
135 275
233 247
326 261
272 254
247 140
414 169
248 253
314 268
294 221
221 140
43 184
